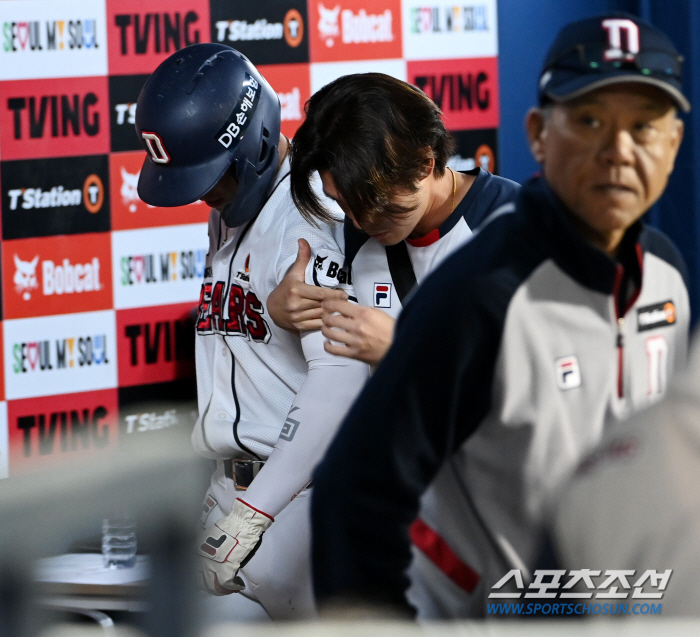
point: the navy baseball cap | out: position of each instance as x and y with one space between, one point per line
610 49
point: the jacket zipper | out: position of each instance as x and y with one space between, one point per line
620 354
620 316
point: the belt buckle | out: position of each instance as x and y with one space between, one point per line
244 471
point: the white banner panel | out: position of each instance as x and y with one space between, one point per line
324 73
441 29
158 266
4 442
49 354
45 38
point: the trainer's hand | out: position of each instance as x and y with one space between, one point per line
228 546
295 305
366 333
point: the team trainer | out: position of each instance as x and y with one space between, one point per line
515 355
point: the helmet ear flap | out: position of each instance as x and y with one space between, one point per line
264 146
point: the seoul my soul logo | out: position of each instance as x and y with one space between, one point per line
91 196
58 354
57 277
355 28
162 268
49 35
456 19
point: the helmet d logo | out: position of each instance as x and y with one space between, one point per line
156 148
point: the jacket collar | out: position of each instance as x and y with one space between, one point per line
579 258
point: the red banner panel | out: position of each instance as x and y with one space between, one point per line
155 344
54 117
60 428
142 34
57 275
466 90
355 30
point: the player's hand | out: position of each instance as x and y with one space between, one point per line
364 333
295 305
228 546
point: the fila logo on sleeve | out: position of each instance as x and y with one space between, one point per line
568 372
382 295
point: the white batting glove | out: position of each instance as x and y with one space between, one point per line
228 546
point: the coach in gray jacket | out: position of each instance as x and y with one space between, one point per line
513 358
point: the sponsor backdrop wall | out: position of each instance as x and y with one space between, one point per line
98 289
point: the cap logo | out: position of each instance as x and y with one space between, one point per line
615 28
155 148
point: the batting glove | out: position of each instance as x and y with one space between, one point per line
228 546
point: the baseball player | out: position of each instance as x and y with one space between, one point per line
521 349
405 209
269 400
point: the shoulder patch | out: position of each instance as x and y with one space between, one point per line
326 269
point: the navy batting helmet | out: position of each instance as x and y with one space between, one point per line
204 109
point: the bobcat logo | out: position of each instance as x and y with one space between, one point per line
328 23
25 277
129 194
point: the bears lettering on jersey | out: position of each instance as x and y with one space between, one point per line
237 313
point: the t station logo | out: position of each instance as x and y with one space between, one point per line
353 30
61 428
267 31
140 40
124 91
475 148
45 197
54 118
40 39
465 90
52 276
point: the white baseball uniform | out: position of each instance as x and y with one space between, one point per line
265 393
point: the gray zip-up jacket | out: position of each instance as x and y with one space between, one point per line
508 364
